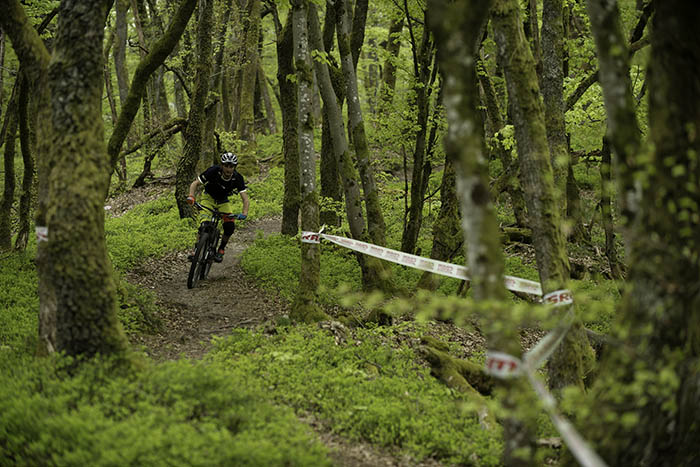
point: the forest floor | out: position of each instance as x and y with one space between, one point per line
227 299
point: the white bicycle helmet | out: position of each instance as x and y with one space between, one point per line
229 158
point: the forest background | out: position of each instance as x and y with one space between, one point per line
391 123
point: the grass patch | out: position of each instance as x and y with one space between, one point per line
366 386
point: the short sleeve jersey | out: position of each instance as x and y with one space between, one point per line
217 187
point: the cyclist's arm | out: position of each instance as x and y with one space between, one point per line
246 201
193 187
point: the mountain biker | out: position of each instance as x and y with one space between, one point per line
220 182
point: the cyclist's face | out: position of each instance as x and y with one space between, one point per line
227 169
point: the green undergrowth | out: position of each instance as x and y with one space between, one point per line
365 384
175 413
20 302
147 230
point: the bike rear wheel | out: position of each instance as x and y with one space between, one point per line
198 261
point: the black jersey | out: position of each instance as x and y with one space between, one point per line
217 187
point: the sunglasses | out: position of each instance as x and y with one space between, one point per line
228 164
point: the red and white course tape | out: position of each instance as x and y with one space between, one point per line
456 271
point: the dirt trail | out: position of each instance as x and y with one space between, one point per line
227 299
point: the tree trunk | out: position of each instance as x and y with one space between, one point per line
447 233
552 84
27 139
85 300
457 26
271 120
606 210
647 397
119 57
373 271
290 148
393 47
217 82
422 62
493 111
305 307
246 122
34 59
572 359
375 218
8 195
624 133
194 133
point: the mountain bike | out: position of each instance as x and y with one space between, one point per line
205 251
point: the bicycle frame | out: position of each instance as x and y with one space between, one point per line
206 247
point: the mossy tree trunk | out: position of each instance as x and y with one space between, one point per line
422 61
493 111
373 273
27 139
375 218
447 233
246 122
457 29
8 195
623 129
194 133
305 308
290 143
393 47
571 361
119 57
645 404
552 84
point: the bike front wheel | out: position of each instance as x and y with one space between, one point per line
198 261
209 255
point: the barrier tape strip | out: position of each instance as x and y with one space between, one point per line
498 364
456 271
503 365
583 453
42 233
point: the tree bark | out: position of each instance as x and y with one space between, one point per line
393 47
375 218
552 84
373 274
447 233
8 195
493 111
572 360
246 122
305 307
288 106
194 134
606 211
77 297
422 61
27 139
624 133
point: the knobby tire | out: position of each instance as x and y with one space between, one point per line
196 269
